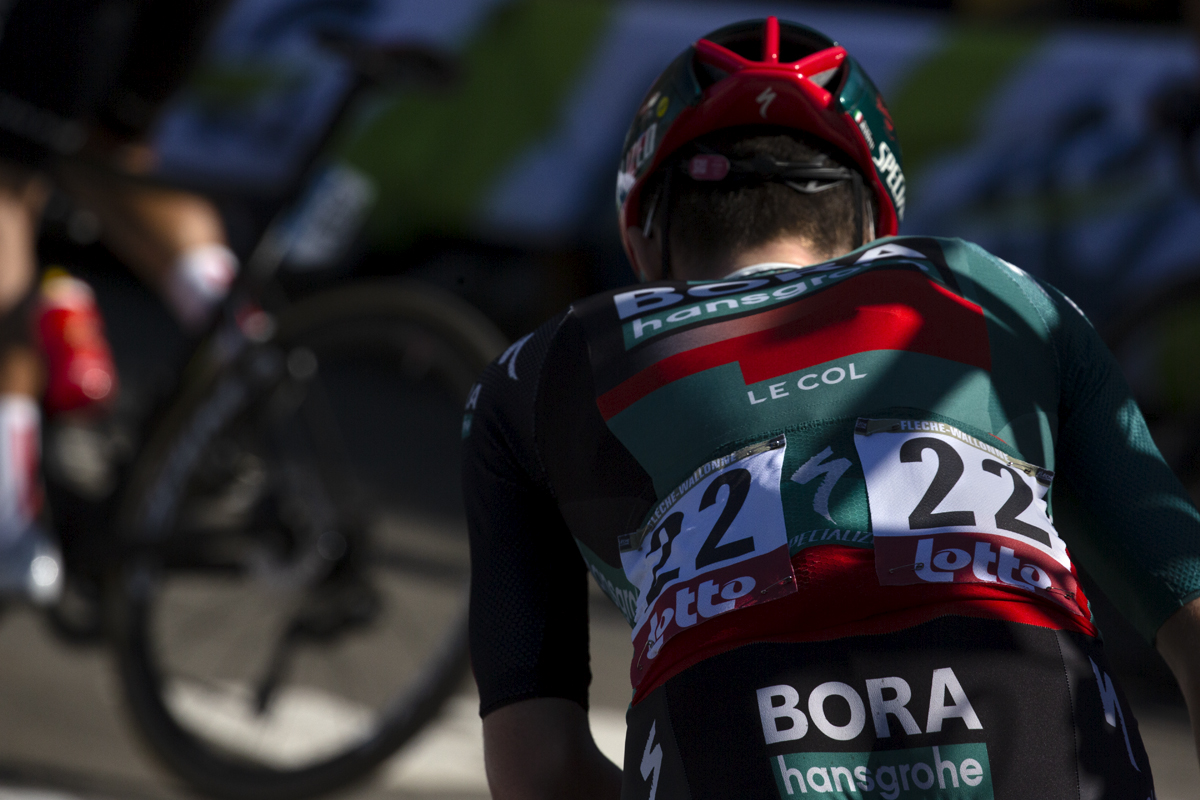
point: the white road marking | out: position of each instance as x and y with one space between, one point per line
12 793
445 757
608 729
305 724
448 756
302 726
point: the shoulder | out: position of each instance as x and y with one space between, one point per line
499 414
995 282
971 260
957 255
518 370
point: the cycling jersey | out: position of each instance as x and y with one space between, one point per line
800 455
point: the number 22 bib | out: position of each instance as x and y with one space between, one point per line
946 507
715 543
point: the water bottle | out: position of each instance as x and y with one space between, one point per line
80 374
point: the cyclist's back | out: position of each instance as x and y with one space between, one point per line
818 493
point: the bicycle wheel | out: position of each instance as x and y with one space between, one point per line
295 607
1155 344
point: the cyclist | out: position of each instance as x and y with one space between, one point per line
84 77
813 468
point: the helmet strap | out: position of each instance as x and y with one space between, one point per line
806 177
816 178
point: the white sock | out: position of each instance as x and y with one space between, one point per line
20 458
198 282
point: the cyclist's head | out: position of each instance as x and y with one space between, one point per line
759 130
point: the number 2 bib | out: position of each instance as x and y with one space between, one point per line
946 507
715 543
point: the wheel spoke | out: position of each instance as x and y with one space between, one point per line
313 589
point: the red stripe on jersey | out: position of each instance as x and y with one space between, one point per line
883 310
839 595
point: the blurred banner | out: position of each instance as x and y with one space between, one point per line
1041 144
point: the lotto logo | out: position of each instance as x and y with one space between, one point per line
975 558
1008 569
692 607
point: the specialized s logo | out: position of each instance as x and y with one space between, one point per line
1112 708
764 100
652 761
832 470
509 357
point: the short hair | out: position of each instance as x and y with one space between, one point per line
712 220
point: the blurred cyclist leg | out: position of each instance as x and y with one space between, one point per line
174 240
55 59
63 64
29 563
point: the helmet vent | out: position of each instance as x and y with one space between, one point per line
707 74
745 39
796 43
823 79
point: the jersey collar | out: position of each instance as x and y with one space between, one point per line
766 266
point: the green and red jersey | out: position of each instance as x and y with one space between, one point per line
797 454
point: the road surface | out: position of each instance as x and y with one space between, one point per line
64 734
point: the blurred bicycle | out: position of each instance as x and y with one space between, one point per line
283 574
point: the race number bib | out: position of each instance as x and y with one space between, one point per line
946 507
715 543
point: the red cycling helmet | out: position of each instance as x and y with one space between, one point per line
803 81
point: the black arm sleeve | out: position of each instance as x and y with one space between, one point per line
1142 543
528 611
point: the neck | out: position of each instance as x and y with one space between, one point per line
786 251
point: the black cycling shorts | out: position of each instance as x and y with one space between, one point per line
58 58
954 708
66 63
